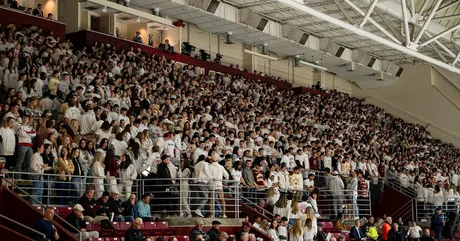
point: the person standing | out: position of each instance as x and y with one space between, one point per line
185 173
437 224
200 187
414 232
38 168
353 186
395 234
127 174
8 142
218 174
296 233
386 228
336 187
25 134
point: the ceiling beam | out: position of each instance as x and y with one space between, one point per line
301 7
449 17
257 3
345 13
447 6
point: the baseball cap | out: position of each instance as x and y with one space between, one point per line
78 207
163 157
215 222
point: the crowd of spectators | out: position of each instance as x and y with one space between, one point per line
100 115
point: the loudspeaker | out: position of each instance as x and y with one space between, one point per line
262 23
304 38
371 63
213 6
400 70
339 52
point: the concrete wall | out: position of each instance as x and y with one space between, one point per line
415 98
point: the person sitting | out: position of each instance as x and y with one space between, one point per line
128 208
166 46
320 235
115 204
134 232
77 220
213 233
106 208
89 206
426 236
356 231
143 209
45 225
339 222
198 231
395 234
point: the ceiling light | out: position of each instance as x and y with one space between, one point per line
260 55
138 19
104 10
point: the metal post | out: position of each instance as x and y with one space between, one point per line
456 58
445 7
427 21
412 7
447 31
422 9
368 13
406 21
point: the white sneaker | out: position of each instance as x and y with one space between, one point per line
198 212
224 216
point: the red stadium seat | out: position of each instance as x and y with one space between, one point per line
64 211
112 239
166 238
116 225
97 226
125 225
89 226
182 238
163 229
148 227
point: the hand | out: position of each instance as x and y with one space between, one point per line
103 214
56 236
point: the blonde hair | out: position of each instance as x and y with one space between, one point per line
295 206
98 158
270 192
309 223
309 213
297 228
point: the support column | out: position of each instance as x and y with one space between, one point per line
249 61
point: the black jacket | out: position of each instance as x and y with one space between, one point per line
164 173
75 222
133 235
213 234
395 235
321 236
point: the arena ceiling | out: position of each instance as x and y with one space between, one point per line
426 29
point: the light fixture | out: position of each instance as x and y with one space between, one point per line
260 55
166 28
104 10
312 65
138 19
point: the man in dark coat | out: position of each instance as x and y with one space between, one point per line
214 233
134 232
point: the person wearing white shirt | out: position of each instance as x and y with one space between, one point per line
309 183
218 174
403 178
200 187
87 121
119 146
38 168
414 231
127 174
354 187
72 112
200 150
438 197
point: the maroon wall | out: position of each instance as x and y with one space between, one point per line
390 201
18 18
18 209
88 37
12 235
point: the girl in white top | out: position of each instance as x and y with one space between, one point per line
272 232
308 231
37 166
296 233
185 172
273 194
127 174
98 173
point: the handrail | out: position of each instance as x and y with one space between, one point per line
44 207
22 225
402 210
396 184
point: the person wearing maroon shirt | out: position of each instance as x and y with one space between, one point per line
90 207
382 169
258 174
314 161
111 169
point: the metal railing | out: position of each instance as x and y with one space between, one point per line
16 187
406 212
24 226
175 196
425 210
331 203
396 184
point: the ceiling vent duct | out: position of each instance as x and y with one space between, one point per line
297 61
127 2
